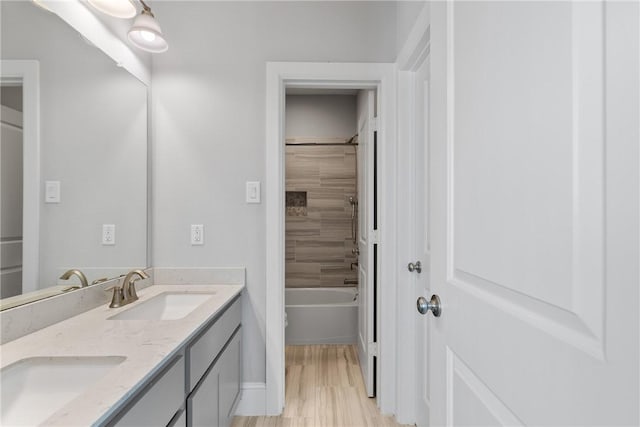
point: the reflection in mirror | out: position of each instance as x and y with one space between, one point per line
89 209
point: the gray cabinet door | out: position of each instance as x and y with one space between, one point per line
202 405
213 401
229 379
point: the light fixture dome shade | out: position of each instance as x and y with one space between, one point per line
147 35
117 8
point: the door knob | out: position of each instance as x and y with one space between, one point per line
417 267
424 306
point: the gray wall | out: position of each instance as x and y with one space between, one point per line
209 124
323 116
407 13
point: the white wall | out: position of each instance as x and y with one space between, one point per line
322 116
407 14
209 124
93 140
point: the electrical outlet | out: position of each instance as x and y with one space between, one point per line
197 234
108 234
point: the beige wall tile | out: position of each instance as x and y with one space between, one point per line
322 238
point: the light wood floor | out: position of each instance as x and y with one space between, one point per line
324 388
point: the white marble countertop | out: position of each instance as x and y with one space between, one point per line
146 344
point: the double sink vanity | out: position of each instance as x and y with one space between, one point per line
171 358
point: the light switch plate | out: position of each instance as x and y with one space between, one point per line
52 192
253 192
197 234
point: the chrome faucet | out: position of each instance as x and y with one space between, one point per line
129 286
79 274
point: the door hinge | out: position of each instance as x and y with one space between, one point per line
373 349
374 237
374 124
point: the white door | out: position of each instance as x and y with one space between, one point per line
366 246
534 227
420 87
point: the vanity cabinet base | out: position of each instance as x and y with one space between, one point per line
200 386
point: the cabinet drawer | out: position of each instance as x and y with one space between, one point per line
160 400
205 348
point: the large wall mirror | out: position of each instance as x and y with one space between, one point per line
77 200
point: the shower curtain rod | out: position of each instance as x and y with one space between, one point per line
330 141
320 143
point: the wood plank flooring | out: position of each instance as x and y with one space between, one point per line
324 388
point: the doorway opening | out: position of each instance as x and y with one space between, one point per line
23 247
331 212
370 78
11 192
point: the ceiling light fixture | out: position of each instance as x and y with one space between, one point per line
146 33
116 8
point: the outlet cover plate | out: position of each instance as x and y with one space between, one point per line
197 234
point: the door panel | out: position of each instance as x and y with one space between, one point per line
519 186
366 265
422 286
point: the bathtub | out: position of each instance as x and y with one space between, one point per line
321 315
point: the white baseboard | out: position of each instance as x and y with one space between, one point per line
252 399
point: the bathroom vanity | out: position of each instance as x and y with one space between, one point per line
172 358
200 384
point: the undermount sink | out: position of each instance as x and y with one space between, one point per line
33 389
166 306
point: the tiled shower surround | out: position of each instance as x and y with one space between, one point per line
318 235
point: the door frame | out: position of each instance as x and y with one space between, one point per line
27 72
415 52
282 75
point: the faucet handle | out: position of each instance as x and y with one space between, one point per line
117 298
